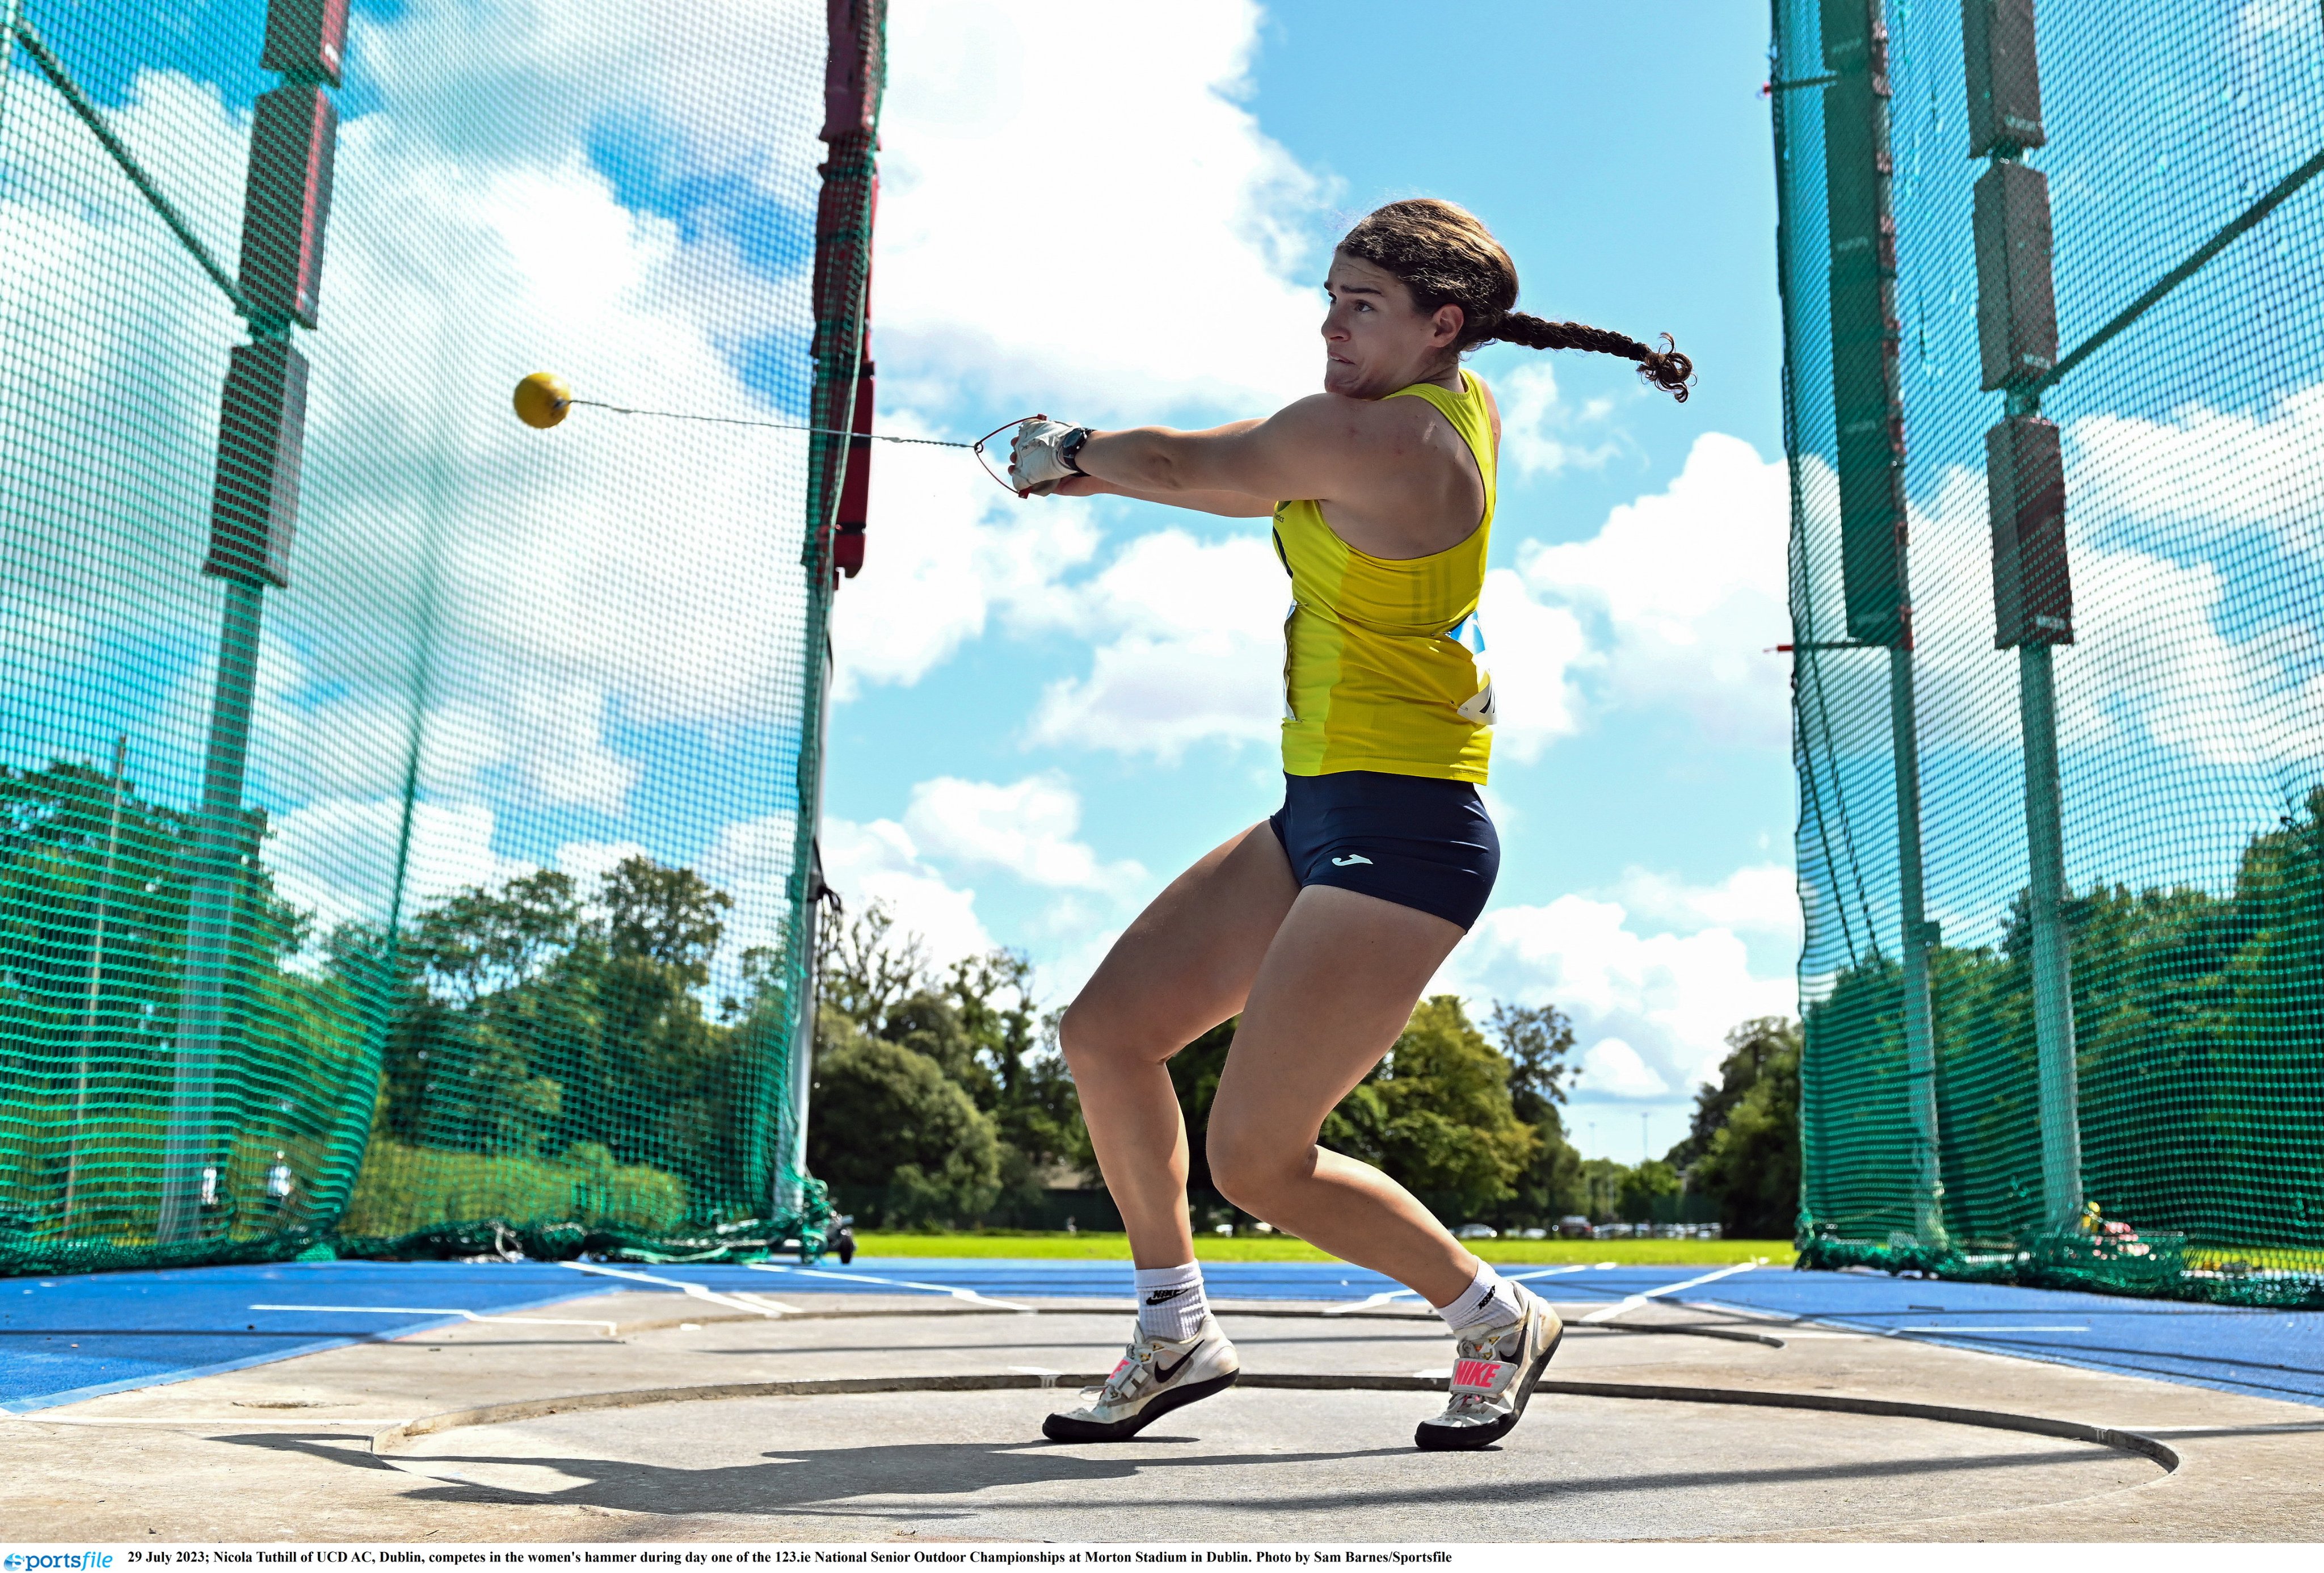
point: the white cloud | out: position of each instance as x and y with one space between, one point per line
880 862
1008 269
1611 1068
1760 900
944 550
1537 654
2207 474
1682 592
1662 999
1026 828
1534 420
572 615
1194 649
336 858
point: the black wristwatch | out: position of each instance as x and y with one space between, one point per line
1069 450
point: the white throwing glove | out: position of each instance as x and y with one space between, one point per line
1037 456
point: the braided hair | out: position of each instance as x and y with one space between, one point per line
1445 256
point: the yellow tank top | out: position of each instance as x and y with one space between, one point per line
1381 668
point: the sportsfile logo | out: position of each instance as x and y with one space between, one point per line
35 1562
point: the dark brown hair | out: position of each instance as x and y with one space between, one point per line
1445 256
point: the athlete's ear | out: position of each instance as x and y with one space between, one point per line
1446 325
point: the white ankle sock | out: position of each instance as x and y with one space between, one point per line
1489 1302
1170 1303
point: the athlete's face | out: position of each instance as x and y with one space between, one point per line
1375 339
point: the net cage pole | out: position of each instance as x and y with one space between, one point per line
837 470
2026 488
1868 424
262 430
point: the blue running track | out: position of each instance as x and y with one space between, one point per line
64 1339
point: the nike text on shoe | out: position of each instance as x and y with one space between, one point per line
1494 1372
1156 1376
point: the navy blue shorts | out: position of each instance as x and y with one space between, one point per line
1415 840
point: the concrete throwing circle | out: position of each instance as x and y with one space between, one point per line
1255 1463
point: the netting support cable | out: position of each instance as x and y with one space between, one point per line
2029 399
1920 1025
22 32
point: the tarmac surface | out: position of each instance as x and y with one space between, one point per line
645 1413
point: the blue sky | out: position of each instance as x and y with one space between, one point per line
1622 156
1043 709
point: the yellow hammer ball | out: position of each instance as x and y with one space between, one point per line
542 399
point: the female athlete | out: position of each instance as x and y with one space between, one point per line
1320 926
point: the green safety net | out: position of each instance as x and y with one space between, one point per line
406 814
2139 1107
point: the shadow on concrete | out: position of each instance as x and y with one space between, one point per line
811 1480
823 1481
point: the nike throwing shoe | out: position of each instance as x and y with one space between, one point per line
1494 1373
1156 1376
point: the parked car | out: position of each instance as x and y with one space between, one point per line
1535 1235
1573 1226
1476 1232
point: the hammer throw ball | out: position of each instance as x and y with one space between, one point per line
542 399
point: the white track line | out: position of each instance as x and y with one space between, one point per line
968 1295
1892 1332
1607 1313
1383 1298
756 1307
1544 1273
434 1310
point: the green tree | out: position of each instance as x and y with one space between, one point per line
1537 1041
888 1121
1602 1180
1749 1045
95 883
1644 1191
1435 1114
1751 1163
979 1024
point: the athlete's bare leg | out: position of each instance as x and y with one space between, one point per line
1184 965
1336 989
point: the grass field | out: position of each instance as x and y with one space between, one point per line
1096 1247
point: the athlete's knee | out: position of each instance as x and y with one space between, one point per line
1094 1037
1103 1028
1255 1168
